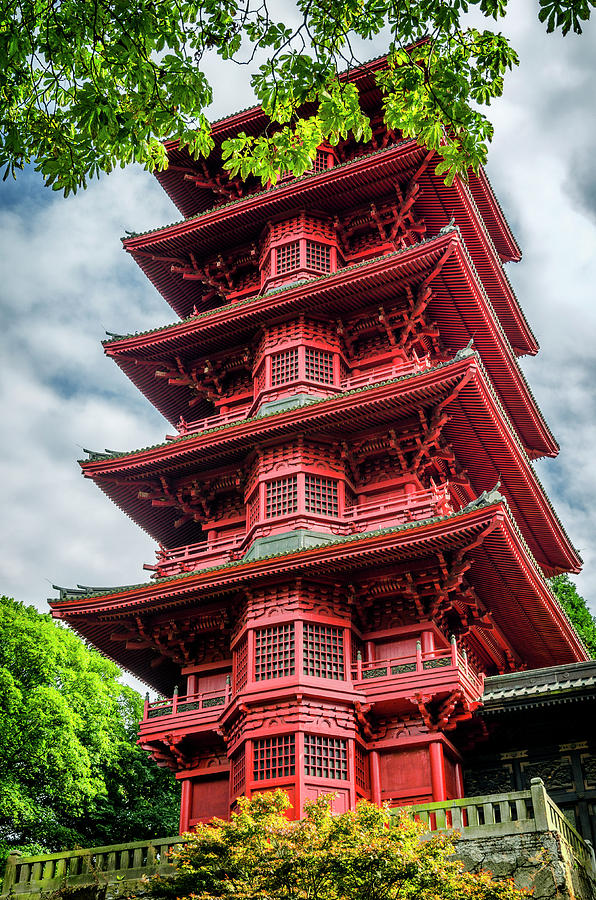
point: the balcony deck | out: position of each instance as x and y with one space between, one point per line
390 683
200 710
408 507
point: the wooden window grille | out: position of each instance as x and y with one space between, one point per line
241 664
320 495
253 511
281 496
274 652
360 768
324 651
319 365
318 256
320 161
288 257
239 773
284 367
260 379
325 757
274 757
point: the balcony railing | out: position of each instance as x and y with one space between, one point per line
374 514
384 373
406 668
214 552
421 504
206 705
380 373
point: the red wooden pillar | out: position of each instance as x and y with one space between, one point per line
437 771
185 804
375 777
299 786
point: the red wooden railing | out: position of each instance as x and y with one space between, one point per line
403 508
394 511
209 702
380 373
418 663
384 373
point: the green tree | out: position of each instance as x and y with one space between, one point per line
70 771
352 856
576 608
86 85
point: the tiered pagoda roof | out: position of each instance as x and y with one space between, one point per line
459 305
479 431
504 573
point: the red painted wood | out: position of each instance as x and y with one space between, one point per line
319 540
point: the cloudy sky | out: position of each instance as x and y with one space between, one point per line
64 280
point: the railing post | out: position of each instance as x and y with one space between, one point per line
228 689
453 650
539 804
359 666
10 872
464 654
418 656
175 701
146 707
592 855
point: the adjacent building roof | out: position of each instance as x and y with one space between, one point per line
516 691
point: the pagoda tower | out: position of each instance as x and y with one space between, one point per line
351 532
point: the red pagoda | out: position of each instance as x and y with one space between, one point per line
351 532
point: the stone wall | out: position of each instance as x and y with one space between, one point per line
539 860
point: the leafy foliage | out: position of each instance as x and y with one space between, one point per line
260 854
70 771
576 608
87 85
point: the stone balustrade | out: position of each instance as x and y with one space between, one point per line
498 821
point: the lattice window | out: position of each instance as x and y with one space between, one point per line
320 161
284 366
288 257
241 664
281 496
360 768
325 757
252 516
239 773
320 495
319 365
274 652
274 757
323 651
318 256
260 379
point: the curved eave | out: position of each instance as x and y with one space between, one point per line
460 307
240 222
355 183
493 216
503 572
482 437
253 121
436 205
